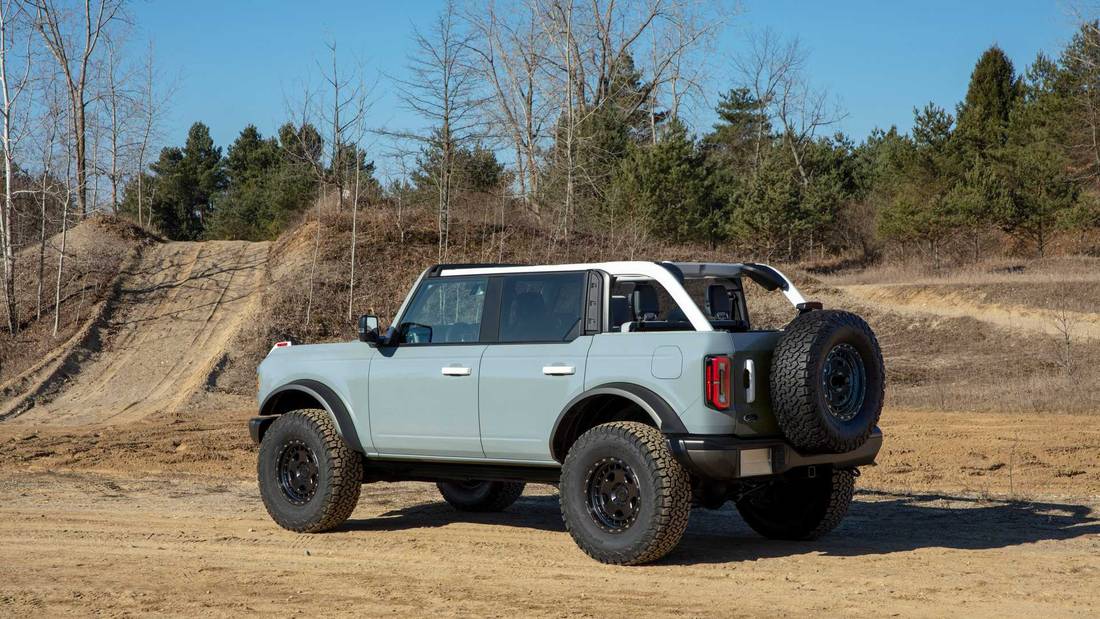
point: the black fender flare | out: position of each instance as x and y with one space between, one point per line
658 409
322 393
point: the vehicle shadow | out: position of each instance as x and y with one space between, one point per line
878 523
882 522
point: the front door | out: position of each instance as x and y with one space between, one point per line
424 391
536 364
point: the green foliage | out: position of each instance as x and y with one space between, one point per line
669 187
476 170
267 188
914 181
187 181
984 113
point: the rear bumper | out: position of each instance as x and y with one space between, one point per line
727 458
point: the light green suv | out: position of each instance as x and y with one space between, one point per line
640 388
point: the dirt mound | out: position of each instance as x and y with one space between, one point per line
162 340
96 251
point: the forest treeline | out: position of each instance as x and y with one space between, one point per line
560 116
1017 157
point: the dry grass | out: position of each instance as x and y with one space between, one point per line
992 270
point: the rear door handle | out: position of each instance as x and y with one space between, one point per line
454 370
559 370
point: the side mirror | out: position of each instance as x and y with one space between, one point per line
368 329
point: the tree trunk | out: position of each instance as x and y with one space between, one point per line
41 256
81 148
354 230
60 267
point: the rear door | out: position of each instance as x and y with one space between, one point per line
536 360
423 392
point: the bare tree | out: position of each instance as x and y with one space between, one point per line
344 112
150 107
774 72
511 48
122 111
51 120
360 131
66 203
72 37
441 88
10 91
681 49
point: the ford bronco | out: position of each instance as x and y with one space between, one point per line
641 389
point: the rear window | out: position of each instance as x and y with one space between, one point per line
541 307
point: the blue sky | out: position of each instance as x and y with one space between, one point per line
236 62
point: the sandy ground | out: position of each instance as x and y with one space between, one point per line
165 518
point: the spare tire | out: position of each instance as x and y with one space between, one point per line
827 381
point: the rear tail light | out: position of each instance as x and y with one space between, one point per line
280 345
717 381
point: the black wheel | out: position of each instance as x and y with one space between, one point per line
624 498
480 496
827 381
799 507
309 477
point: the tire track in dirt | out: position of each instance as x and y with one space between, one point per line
176 313
907 299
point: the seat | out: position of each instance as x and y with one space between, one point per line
718 302
619 311
645 303
527 319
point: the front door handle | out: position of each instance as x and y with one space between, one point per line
454 370
559 370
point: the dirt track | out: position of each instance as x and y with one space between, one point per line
908 298
175 313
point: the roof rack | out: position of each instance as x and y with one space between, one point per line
436 269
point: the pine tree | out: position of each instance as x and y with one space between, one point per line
984 113
667 186
188 180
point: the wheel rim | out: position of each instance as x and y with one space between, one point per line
613 494
844 381
298 472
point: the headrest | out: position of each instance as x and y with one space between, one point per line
718 302
644 300
527 305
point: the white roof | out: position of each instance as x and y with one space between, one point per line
645 270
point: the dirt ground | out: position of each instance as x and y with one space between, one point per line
129 489
977 514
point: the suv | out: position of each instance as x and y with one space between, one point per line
640 388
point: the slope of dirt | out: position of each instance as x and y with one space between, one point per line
97 250
174 314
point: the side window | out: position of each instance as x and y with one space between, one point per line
445 311
541 307
645 301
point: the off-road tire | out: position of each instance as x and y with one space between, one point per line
663 502
480 496
798 392
339 472
799 507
